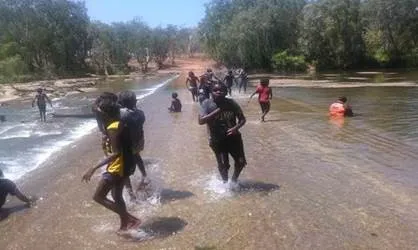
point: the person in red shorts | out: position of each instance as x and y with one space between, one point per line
265 94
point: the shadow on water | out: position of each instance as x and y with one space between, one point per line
168 195
161 227
256 186
6 211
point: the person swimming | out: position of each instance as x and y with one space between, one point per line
340 108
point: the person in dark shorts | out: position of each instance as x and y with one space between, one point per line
9 187
192 84
265 94
229 81
243 82
175 103
41 98
132 121
224 118
119 167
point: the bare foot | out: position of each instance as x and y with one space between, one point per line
134 223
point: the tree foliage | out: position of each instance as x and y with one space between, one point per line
56 37
328 33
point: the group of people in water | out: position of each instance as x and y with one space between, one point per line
121 125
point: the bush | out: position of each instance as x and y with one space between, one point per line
282 61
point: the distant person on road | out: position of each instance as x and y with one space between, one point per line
192 85
265 94
9 187
175 103
224 118
229 80
41 98
341 108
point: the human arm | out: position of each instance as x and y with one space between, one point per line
241 122
34 100
203 119
271 93
187 83
113 136
251 96
48 100
30 201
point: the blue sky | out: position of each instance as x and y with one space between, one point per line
185 13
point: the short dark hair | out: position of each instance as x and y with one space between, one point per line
174 95
264 80
221 86
110 108
106 96
342 99
127 99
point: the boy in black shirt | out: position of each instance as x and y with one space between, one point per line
224 118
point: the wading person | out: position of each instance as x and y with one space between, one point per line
175 103
192 84
119 166
224 118
265 94
229 81
340 108
41 98
243 81
132 122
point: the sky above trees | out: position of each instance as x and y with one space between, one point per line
186 13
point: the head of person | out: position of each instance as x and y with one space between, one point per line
110 111
229 72
342 99
127 99
265 82
219 92
191 74
209 70
106 96
174 95
39 90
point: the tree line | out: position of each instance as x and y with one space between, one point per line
45 38
292 34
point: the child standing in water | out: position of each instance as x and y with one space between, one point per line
224 118
132 122
175 103
119 165
41 98
265 94
191 84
